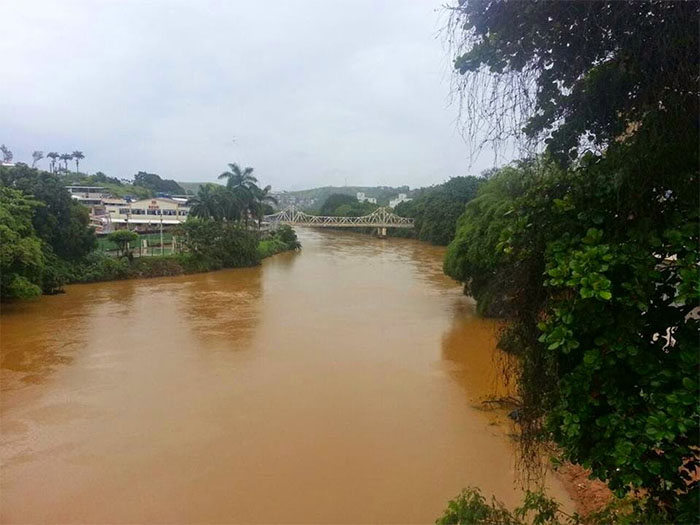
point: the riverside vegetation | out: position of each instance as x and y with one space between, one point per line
591 250
46 240
435 209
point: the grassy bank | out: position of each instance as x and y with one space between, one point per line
270 247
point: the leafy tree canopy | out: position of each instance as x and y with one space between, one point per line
123 240
581 74
436 209
596 254
21 258
336 200
61 222
156 184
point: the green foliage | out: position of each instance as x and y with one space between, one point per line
474 256
342 205
156 184
123 239
240 200
593 67
158 266
269 247
600 257
224 244
288 236
319 195
281 240
602 319
335 201
60 222
98 266
21 258
471 508
436 209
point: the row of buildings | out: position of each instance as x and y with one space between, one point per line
108 213
401 197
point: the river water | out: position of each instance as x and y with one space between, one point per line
341 384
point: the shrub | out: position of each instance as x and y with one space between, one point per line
270 247
220 244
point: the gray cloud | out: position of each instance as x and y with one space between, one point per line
313 92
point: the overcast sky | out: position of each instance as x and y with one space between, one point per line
309 93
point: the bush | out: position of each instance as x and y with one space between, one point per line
288 236
470 508
98 266
220 244
436 209
123 238
156 266
270 247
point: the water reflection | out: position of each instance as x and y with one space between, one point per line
223 307
37 337
468 349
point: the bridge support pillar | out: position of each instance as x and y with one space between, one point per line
381 233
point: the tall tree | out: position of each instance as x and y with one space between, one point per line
65 158
36 157
263 200
21 258
53 156
215 202
6 153
156 184
243 185
61 222
77 156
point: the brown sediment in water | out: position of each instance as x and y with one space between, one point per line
340 384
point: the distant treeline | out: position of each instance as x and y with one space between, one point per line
144 185
382 193
435 209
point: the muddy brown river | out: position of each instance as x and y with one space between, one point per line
341 384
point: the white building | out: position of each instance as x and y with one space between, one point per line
142 215
88 195
393 203
363 198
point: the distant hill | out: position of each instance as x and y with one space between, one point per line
191 188
313 198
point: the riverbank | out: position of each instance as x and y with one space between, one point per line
99 267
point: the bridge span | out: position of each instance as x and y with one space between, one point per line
381 219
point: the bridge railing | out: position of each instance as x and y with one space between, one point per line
380 218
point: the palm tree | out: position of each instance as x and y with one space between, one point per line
239 178
53 156
65 158
262 197
242 184
78 156
6 153
37 156
208 204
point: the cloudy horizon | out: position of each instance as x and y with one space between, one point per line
310 93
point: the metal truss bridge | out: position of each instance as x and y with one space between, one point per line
381 218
